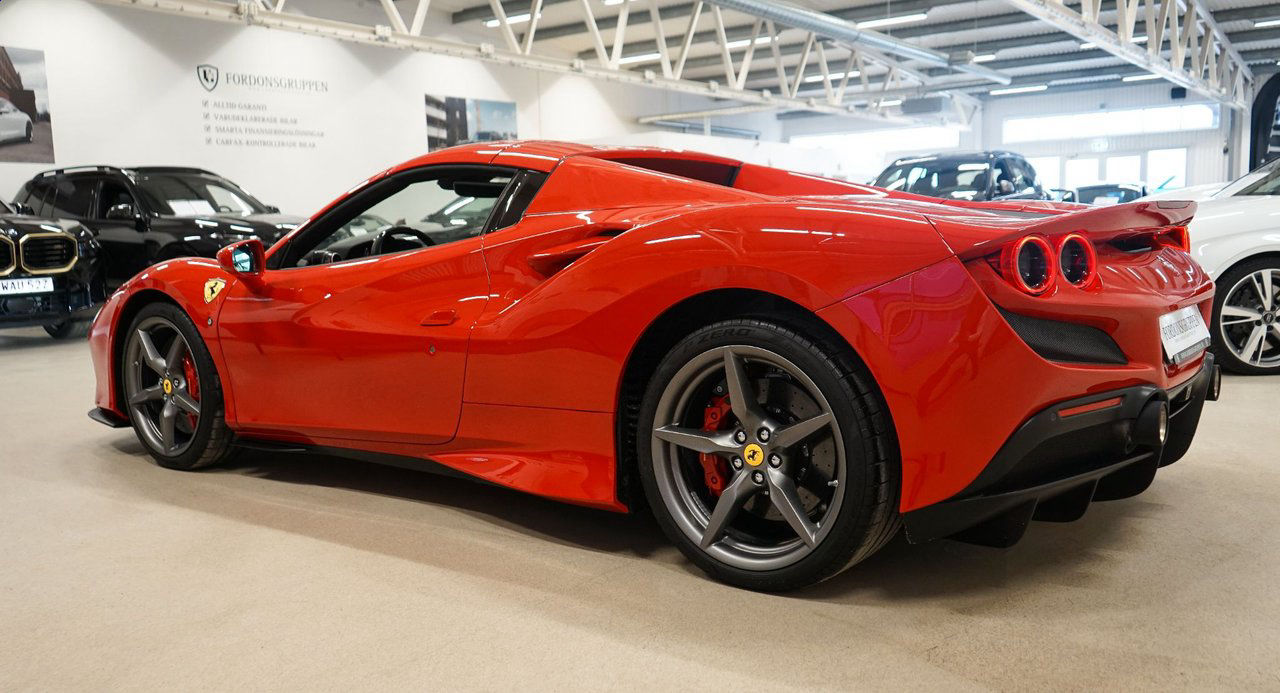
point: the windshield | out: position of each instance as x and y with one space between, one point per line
949 178
1264 180
195 194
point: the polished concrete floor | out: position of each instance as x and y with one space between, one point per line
306 572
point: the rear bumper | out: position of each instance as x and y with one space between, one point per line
1065 457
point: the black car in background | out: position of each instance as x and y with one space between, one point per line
1110 193
147 214
51 274
993 175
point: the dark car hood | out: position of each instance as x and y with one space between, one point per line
18 225
268 227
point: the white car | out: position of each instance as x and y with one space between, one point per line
14 124
1235 236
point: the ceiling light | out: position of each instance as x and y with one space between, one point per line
1090 44
740 43
511 19
893 21
638 58
890 102
834 76
1266 23
1140 78
984 58
1018 90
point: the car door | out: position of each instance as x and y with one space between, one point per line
10 120
344 342
120 222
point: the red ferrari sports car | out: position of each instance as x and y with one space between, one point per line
785 368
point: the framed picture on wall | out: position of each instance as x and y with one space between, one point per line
26 128
453 120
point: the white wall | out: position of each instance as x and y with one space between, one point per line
1206 162
123 91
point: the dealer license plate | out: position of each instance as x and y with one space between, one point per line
31 285
1183 334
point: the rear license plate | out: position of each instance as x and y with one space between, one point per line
33 285
1183 334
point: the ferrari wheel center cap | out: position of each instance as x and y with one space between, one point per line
168 386
753 454
1268 318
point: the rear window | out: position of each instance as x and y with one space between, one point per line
712 172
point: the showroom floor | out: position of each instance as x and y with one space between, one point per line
291 571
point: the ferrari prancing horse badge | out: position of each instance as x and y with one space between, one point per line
212 288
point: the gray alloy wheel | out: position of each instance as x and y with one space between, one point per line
156 386
1250 319
786 457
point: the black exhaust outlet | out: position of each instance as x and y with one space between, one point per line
1152 427
1215 384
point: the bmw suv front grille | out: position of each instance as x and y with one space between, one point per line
8 258
48 253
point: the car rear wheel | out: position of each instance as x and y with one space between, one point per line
1246 316
30 132
69 329
768 458
172 391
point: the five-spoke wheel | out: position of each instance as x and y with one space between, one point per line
171 389
757 449
1248 315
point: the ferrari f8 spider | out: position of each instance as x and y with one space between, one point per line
786 369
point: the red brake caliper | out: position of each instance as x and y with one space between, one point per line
193 385
714 468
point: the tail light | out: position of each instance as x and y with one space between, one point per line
1077 259
1030 264
1175 237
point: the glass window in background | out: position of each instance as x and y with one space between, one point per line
1081 172
1166 169
1048 170
1124 169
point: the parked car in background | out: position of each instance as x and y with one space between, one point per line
1236 238
994 175
50 274
144 215
14 124
1110 193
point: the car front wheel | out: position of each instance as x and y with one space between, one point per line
172 391
768 458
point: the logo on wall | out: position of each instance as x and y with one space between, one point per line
208 75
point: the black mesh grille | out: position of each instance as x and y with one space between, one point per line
1066 341
6 256
47 252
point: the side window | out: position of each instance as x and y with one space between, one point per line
429 207
113 194
73 196
512 206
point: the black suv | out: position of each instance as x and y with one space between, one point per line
50 274
144 215
972 176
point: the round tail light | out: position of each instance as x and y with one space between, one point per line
1077 259
1028 263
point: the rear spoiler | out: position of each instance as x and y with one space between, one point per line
977 236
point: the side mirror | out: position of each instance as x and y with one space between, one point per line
121 212
272 209
245 259
24 210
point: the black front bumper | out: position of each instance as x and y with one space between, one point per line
1055 465
69 301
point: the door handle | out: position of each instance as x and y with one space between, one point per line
440 318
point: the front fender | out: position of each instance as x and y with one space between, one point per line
181 282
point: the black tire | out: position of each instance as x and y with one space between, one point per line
69 329
31 133
211 441
868 511
1225 355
